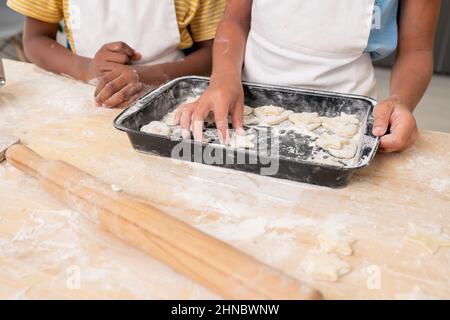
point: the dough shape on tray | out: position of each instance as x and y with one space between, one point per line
330 141
247 111
242 142
348 151
250 120
431 239
325 267
169 119
271 115
344 125
309 121
337 146
157 127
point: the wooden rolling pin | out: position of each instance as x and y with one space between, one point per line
216 265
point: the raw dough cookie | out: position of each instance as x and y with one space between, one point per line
341 245
327 267
431 240
271 115
157 127
348 151
250 120
347 130
169 119
330 141
267 111
349 118
309 121
416 294
248 110
242 142
344 125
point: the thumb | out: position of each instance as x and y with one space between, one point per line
136 56
382 114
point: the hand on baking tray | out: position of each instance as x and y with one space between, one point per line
118 88
224 96
108 58
395 123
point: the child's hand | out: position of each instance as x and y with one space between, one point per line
392 114
224 96
108 58
118 88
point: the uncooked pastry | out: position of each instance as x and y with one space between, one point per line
250 120
248 110
347 130
431 240
331 141
169 119
242 142
271 115
345 125
341 245
348 151
349 118
157 127
326 267
267 111
309 121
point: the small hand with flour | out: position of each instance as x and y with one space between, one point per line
224 96
118 88
108 58
398 118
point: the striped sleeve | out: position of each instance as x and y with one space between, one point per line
207 17
50 11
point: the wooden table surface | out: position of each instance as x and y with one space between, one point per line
49 251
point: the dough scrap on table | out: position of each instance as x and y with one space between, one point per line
431 240
309 121
416 294
341 245
326 267
157 127
242 142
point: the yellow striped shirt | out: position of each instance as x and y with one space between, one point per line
197 19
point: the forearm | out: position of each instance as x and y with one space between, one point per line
413 68
50 55
229 49
411 76
198 63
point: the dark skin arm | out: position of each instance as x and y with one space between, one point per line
411 75
225 94
124 83
120 82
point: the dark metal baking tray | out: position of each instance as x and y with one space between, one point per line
299 165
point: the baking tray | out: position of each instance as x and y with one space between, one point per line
2 74
295 159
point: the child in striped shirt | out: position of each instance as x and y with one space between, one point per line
121 45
